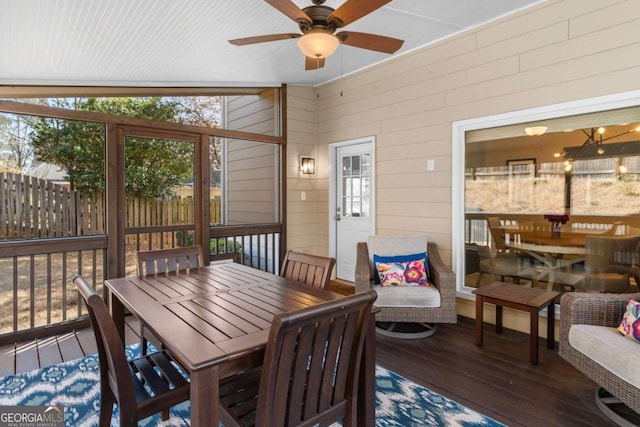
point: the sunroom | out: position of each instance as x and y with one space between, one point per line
441 126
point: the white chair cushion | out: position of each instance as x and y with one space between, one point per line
410 296
607 347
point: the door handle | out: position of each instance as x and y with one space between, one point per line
337 217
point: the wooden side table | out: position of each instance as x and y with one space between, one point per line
519 298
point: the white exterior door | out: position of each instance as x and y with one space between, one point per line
353 204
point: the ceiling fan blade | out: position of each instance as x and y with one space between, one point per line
313 63
290 9
352 10
262 39
370 41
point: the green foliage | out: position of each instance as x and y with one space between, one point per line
216 246
229 246
628 185
153 167
76 146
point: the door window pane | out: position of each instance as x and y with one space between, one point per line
346 166
356 192
355 165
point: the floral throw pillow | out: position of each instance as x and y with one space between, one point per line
630 325
409 273
396 259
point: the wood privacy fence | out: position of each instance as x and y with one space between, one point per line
35 208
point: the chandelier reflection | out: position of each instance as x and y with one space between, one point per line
594 139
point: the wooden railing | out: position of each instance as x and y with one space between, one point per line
257 245
254 245
37 297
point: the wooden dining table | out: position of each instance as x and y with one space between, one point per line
555 253
215 321
572 238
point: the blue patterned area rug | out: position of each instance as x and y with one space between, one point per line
75 385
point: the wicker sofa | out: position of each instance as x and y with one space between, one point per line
589 342
439 302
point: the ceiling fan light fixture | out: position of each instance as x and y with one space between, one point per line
318 44
535 130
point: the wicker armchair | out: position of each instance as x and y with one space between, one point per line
441 277
599 310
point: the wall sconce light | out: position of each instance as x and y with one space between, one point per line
307 165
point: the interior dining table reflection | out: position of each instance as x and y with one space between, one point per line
577 258
215 321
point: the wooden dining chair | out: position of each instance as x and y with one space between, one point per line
310 269
504 265
169 260
608 263
499 260
163 261
141 387
310 370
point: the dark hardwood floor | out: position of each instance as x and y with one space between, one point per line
25 356
496 379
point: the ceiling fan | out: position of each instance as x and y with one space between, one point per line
318 23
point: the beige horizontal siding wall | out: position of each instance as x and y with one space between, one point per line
553 52
306 219
252 168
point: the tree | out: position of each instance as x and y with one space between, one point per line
153 167
15 150
203 111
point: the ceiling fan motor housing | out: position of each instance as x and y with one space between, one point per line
318 15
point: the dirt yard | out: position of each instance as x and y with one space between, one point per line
53 300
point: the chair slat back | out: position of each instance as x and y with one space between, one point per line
310 269
312 362
114 367
497 233
602 252
169 260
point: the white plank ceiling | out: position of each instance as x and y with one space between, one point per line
184 42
